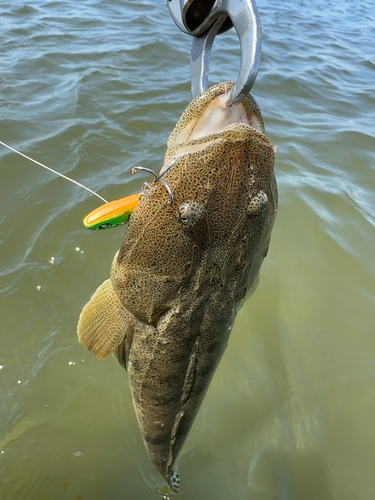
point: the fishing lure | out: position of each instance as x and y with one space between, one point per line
117 212
112 214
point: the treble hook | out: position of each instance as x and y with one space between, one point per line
157 179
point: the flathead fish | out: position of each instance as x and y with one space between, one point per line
186 267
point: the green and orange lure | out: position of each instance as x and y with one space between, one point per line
112 214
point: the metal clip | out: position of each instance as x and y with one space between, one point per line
246 21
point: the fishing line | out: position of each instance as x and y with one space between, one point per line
54 171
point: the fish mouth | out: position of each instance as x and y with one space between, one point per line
208 114
216 117
208 119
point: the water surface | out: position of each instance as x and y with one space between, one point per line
93 88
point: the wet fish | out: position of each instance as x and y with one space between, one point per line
185 268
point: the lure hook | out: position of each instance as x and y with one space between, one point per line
157 179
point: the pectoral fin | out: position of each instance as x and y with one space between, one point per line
104 322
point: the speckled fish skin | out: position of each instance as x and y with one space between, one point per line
184 269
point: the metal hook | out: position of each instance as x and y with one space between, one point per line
135 169
175 158
203 21
157 179
170 202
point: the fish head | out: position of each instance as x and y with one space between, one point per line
221 178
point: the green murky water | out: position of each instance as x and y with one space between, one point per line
93 88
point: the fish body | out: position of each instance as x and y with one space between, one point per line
185 268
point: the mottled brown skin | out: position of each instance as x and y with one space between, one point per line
184 270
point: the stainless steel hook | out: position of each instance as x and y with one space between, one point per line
157 179
244 16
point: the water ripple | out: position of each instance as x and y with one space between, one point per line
94 88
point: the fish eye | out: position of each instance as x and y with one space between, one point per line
258 203
190 213
106 225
